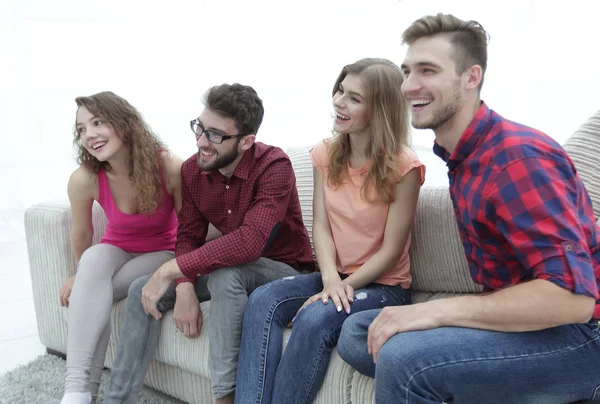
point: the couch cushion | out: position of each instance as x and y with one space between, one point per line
422 297
303 169
584 149
173 347
437 257
213 233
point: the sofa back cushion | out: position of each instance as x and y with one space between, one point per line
584 149
437 256
303 170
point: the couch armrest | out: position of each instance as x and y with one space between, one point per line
51 262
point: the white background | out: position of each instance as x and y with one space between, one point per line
543 70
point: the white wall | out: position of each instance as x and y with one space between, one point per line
162 56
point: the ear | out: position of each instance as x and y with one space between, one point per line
473 77
247 142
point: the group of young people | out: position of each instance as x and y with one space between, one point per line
524 217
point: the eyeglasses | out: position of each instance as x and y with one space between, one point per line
211 136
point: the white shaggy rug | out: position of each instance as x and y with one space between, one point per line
42 381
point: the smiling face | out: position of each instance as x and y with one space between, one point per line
433 88
212 156
351 107
97 136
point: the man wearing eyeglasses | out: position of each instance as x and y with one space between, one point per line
246 190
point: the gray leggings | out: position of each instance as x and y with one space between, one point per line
103 276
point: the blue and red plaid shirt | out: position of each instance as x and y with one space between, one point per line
257 210
522 210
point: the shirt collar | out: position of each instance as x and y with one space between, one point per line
468 140
242 171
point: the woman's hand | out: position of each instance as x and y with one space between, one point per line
65 291
341 294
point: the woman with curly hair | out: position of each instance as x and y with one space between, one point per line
366 186
132 175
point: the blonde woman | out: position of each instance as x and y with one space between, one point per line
366 186
137 182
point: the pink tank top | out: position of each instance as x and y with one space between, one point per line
138 233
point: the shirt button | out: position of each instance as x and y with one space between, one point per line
472 264
569 247
229 211
226 186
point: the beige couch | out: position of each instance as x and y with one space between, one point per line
180 367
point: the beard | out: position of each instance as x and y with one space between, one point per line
445 112
220 161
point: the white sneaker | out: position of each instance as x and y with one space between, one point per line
77 398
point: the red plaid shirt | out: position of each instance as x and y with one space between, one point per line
522 210
257 210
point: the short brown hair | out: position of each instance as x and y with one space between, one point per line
468 38
238 102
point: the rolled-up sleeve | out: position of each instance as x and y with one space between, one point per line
535 203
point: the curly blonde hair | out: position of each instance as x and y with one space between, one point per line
389 129
143 145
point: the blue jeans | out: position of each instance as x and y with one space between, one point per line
464 365
264 374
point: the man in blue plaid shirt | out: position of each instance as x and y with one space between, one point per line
530 238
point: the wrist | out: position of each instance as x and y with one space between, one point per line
184 288
170 270
446 311
330 278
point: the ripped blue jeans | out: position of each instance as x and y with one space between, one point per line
265 373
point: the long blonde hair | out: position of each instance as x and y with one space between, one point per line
389 129
143 145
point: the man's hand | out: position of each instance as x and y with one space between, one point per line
187 314
157 285
396 319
